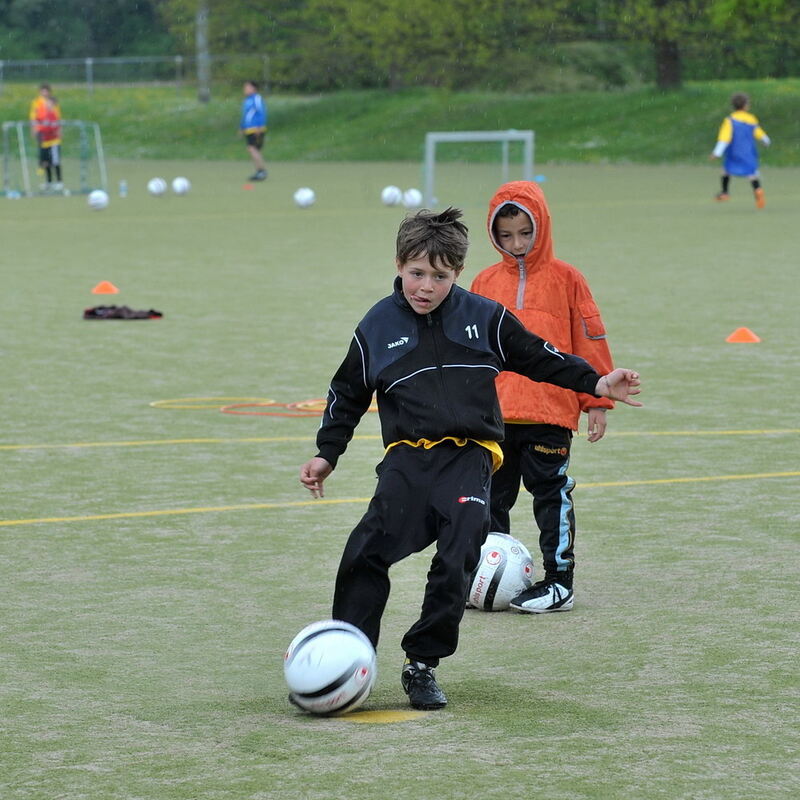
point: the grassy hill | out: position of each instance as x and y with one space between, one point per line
642 125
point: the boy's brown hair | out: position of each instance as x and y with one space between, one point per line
739 100
439 236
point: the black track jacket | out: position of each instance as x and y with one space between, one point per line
434 373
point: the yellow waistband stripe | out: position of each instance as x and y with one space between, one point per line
493 447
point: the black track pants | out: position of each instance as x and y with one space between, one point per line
539 455
423 496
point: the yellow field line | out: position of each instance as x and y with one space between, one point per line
178 511
753 432
319 502
704 479
310 437
150 442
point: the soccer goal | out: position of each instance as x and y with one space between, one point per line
503 138
83 162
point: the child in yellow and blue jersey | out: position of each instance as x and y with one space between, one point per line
736 145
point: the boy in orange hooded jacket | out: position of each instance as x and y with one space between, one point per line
552 299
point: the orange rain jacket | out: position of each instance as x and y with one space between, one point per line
552 299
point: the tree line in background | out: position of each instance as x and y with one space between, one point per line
509 45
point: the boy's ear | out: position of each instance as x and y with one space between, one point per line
398 264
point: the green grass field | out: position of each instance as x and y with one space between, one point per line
156 561
640 125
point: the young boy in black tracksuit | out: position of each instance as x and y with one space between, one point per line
431 351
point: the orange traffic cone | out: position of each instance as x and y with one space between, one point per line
743 335
105 287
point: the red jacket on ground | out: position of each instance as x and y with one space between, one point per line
552 299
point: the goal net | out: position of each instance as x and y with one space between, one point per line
83 166
447 153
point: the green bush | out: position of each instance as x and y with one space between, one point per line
569 67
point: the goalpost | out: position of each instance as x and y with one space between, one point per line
83 159
433 138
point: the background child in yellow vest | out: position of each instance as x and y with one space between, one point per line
736 145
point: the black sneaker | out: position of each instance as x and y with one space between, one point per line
544 597
419 683
261 175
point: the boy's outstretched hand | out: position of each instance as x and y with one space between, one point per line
313 474
619 384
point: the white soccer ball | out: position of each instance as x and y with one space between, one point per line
392 195
330 667
304 197
156 186
505 570
181 185
412 198
98 199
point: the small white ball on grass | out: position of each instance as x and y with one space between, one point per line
392 195
181 185
304 197
412 198
98 200
156 186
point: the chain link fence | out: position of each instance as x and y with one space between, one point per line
127 71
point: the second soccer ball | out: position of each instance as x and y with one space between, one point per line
505 570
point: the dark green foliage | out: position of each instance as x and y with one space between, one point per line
81 28
516 45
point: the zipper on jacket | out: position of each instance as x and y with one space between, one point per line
523 277
440 369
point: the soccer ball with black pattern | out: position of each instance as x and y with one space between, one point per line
330 667
504 570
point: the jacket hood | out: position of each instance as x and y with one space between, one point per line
530 198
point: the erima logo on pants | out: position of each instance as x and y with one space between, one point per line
471 499
401 341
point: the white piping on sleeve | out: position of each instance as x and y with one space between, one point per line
363 362
330 405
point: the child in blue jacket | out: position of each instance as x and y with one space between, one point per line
253 126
